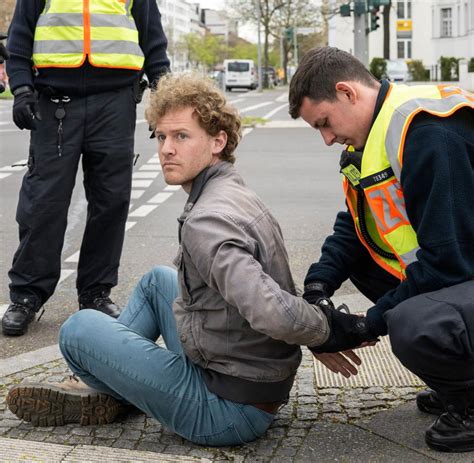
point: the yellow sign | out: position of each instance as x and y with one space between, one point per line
404 25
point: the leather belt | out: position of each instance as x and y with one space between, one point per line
269 407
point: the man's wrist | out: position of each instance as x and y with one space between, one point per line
22 89
319 286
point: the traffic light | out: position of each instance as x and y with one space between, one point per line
345 10
380 2
374 18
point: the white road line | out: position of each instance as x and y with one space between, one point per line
237 100
143 211
283 97
137 175
137 194
141 121
129 225
74 258
154 160
8 130
4 175
256 106
141 183
246 131
274 111
15 167
3 309
152 167
172 188
6 123
64 274
159 198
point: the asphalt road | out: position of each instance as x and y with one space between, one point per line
285 162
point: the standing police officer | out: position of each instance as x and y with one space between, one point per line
74 71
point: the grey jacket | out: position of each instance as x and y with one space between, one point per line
238 316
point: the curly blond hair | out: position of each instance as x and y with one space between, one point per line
213 113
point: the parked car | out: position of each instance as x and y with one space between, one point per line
397 71
240 73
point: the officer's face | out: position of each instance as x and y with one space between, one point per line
185 148
343 120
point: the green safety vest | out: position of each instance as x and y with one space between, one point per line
382 161
103 31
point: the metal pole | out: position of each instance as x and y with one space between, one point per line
361 44
295 42
259 48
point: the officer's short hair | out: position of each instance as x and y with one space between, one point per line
318 73
210 106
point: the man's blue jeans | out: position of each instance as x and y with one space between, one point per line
120 357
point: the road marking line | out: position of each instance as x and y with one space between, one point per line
154 160
150 167
260 105
159 198
274 111
172 188
4 175
8 130
74 258
283 97
237 100
146 174
15 166
141 183
129 225
65 273
5 123
141 121
136 194
3 309
246 131
143 211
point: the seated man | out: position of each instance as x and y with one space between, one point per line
229 317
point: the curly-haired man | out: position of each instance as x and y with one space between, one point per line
229 317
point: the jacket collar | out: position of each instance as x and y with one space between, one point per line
198 187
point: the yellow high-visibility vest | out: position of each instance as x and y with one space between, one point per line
382 161
102 31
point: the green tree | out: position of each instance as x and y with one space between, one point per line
207 50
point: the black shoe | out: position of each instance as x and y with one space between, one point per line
18 316
101 303
452 431
71 401
428 401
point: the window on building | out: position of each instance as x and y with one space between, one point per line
409 49
446 22
401 10
408 10
400 49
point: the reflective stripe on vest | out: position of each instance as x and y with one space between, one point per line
382 164
103 31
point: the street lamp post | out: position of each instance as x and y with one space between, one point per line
259 47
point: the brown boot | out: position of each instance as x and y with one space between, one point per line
57 404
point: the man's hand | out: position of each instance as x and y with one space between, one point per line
315 291
346 331
25 108
340 362
3 50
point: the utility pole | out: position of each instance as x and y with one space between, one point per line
361 36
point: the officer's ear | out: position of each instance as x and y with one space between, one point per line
347 92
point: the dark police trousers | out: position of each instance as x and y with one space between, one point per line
432 334
100 127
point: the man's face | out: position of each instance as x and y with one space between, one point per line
339 121
185 148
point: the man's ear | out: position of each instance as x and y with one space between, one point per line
347 91
219 142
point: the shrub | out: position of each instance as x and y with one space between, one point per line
449 68
378 67
417 70
470 65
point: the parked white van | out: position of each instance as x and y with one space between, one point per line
240 73
397 71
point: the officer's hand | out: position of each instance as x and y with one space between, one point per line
25 108
346 331
316 291
3 53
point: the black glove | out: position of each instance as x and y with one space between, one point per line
315 291
25 108
3 51
346 331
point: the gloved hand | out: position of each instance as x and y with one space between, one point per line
25 108
346 331
3 51
315 291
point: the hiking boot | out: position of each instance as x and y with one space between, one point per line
428 401
453 431
17 317
57 404
102 303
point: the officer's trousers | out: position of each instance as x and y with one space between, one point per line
100 128
432 334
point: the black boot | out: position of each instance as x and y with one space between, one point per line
453 431
17 317
428 401
100 302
